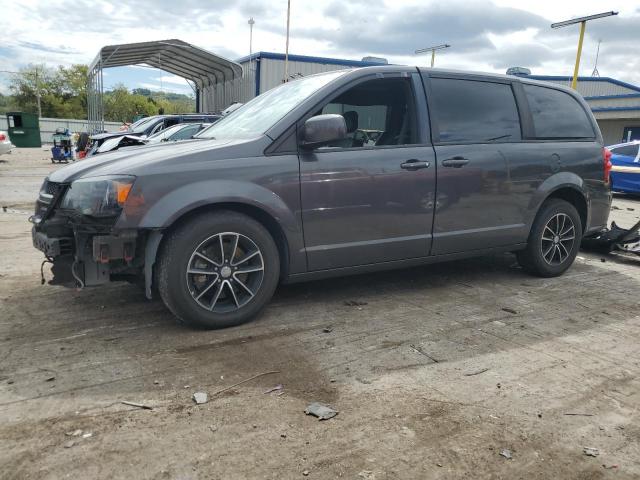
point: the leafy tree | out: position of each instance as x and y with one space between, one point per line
63 94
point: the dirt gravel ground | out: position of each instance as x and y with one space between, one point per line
435 372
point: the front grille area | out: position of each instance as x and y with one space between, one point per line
51 188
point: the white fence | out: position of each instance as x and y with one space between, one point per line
48 126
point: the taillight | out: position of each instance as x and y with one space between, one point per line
3 137
606 158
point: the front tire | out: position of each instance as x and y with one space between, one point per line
218 270
554 240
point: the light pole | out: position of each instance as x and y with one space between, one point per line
251 23
583 23
433 51
286 50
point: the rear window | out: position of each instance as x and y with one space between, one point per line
557 114
474 111
628 150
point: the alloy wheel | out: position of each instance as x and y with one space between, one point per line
558 237
225 272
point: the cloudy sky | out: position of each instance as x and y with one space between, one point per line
485 35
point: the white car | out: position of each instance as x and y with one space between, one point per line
5 143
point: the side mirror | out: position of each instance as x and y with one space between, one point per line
322 130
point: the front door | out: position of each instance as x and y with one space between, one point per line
369 197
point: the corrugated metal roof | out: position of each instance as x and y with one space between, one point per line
310 59
174 56
591 87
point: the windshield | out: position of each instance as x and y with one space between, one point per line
142 125
257 116
167 131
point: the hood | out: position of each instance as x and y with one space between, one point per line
140 160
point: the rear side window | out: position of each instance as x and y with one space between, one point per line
474 111
627 151
557 114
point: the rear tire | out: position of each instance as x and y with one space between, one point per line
218 270
554 240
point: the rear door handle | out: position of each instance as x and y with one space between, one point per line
414 164
455 162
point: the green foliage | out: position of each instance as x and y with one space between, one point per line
63 94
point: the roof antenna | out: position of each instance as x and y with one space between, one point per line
595 72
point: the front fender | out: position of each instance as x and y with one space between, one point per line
174 204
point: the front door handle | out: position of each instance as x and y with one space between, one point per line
414 164
455 162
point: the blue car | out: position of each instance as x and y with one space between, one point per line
625 169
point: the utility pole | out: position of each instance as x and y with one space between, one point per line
583 24
251 22
38 95
433 51
286 50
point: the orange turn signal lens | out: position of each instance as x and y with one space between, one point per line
122 191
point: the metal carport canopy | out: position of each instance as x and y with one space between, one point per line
174 56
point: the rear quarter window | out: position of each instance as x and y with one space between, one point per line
557 114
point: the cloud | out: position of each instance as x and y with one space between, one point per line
172 79
47 48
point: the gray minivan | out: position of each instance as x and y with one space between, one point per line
334 174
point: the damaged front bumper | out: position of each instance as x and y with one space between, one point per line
86 260
84 251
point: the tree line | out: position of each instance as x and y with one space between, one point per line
62 93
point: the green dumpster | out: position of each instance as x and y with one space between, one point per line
24 129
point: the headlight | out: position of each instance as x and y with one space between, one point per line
98 196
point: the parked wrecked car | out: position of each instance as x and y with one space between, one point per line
182 131
625 170
283 190
5 143
143 129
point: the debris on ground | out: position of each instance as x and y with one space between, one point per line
603 260
200 398
278 388
477 372
367 474
87 435
305 473
70 444
591 452
323 412
609 467
244 381
579 414
50 379
506 453
75 433
509 310
213 428
499 323
354 303
327 330
139 405
419 350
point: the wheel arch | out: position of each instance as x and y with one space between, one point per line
565 186
260 215
575 198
